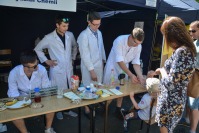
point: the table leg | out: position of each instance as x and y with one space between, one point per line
79 120
93 119
106 117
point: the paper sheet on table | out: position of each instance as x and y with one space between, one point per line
105 95
107 92
116 92
71 95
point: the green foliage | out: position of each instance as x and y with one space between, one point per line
197 1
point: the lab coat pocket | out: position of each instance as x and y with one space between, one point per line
57 69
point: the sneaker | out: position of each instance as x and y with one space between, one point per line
59 116
50 130
71 113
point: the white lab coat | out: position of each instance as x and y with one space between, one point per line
63 71
92 55
121 52
19 84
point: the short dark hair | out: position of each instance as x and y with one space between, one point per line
28 56
93 16
61 18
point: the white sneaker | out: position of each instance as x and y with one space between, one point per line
71 113
49 130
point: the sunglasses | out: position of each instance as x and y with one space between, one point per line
65 20
193 31
33 67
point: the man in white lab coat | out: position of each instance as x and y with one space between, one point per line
62 49
92 51
26 77
126 49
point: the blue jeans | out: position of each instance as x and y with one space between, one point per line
193 103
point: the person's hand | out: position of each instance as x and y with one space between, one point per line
142 80
151 74
134 79
93 75
157 71
51 63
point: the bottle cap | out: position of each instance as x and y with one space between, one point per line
36 89
117 87
87 87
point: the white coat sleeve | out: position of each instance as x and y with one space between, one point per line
45 80
85 51
74 47
103 51
39 49
117 48
12 85
136 60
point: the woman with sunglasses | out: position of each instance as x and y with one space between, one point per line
26 77
193 103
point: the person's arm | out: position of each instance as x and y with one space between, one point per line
128 72
44 77
12 85
85 54
136 65
74 47
135 104
138 71
180 69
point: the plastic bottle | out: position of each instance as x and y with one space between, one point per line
112 82
37 97
88 93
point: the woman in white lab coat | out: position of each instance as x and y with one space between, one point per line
61 55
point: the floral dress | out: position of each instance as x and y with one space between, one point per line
172 99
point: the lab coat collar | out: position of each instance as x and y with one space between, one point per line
57 37
90 32
22 73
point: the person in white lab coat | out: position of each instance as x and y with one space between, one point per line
92 51
62 49
126 49
26 77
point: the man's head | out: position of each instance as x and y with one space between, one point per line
194 30
62 24
136 37
29 61
94 20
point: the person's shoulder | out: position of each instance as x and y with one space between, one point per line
16 69
146 96
41 68
182 50
69 33
121 37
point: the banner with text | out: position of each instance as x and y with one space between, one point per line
61 5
